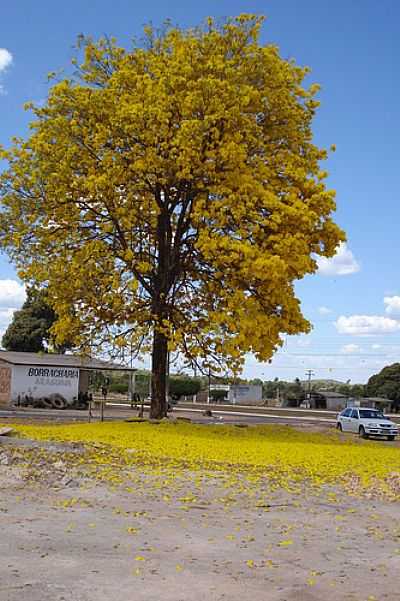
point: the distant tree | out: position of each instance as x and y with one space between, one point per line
270 388
357 390
294 391
256 382
343 389
29 330
118 387
218 395
142 384
298 386
183 386
386 383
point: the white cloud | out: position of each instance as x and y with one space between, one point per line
5 59
359 325
342 263
347 349
376 347
304 342
5 317
12 294
392 305
324 310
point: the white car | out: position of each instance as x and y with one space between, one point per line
366 422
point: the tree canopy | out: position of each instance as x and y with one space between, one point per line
386 383
183 386
30 328
171 194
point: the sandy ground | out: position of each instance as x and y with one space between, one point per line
66 537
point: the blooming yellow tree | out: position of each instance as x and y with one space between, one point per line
168 196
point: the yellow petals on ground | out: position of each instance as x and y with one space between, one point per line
282 454
285 543
132 530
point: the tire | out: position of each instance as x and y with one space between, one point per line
391 437
39 404
58 403
47 403
362 433
339 427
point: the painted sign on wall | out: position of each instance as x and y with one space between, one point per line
5 384
39 382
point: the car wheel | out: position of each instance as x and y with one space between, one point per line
390 437
339 427
362 433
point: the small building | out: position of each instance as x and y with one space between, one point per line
330 400
38 375
373 402
240 394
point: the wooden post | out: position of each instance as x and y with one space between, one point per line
132 387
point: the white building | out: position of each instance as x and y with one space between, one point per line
38 375
240 394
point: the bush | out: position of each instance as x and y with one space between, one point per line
218 395
183 386
118 387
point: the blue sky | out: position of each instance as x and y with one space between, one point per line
353 49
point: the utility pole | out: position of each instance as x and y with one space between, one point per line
195 376
309 373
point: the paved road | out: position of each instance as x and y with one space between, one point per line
228 415
244 417
117 412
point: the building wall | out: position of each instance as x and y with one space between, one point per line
335 403
40 382
245 394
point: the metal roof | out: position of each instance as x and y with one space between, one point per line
376 399
330 394
50 359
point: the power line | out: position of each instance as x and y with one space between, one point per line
331 354
301 367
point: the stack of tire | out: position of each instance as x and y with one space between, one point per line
53 401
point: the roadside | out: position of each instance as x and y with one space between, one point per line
312 420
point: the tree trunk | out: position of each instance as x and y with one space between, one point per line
158 408
159 368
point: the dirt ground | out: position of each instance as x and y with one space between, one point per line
65 536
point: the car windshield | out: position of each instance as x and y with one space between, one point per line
367 414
